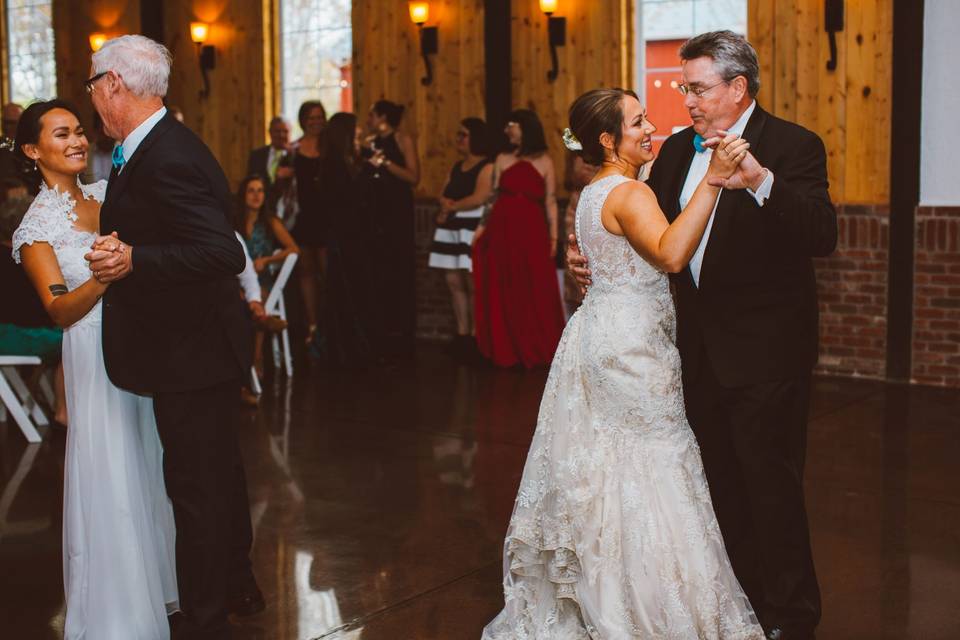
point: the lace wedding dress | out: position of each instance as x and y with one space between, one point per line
613 535
118 531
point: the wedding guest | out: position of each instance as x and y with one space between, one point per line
465 193
519 316
391 173
262 232
351 318
266 161
310 227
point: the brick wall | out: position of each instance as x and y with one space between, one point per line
936 311
852 288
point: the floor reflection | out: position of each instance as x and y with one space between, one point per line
380 499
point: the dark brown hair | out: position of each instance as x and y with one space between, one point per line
392 111
594 113
305 110
336 146
265 216
28 132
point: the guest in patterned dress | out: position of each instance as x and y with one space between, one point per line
466 191
262 232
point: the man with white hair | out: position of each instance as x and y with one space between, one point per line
174 324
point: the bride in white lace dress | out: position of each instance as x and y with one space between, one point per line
613 534
118 531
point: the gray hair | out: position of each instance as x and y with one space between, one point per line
143 64
731 54
275 119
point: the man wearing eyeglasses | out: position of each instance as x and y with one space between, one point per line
748 322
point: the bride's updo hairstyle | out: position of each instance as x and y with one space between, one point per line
28 132
594 113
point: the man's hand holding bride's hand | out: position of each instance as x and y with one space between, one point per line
110 259
732 166
577 264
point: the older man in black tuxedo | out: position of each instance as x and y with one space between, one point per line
747 322
174 324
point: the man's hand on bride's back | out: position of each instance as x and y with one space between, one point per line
577 264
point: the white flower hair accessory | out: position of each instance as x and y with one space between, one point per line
570 141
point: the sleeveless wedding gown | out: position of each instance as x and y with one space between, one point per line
118 530
613 535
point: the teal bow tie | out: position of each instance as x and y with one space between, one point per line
698 143
118 159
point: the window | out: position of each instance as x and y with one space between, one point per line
32 70
316 49
664 25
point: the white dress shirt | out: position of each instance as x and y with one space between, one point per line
248 277
698 169
133 140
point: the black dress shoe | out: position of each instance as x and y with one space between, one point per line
247 604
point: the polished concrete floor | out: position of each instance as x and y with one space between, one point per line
380 500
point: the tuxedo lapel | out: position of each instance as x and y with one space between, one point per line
118 181
729 200
670 200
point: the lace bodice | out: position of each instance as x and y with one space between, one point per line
612 260
51 219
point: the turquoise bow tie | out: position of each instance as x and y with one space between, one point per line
697 143
118 159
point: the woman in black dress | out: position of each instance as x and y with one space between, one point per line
466 191
392 171
311 226
351 332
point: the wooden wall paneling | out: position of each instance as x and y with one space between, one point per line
231 120
785 61
831 122
73 22
594 56
761 33
869 36
387 64
808 15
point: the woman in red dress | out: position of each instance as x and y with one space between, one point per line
519 317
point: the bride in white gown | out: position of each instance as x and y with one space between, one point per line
613 534
118 531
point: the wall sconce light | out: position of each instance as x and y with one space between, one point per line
97 40
557 33
429 36
206 54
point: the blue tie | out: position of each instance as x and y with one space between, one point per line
697 143
118 159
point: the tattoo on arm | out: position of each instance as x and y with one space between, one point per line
58 289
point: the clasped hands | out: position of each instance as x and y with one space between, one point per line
110 259
732 166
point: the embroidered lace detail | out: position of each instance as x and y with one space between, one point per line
613 534
51 219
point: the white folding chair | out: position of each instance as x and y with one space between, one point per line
19 407
274 305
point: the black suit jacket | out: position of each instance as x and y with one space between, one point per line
755 313
177 322
257 164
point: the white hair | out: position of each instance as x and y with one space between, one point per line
143 64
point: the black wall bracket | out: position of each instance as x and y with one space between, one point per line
832 23
429 45
557 32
